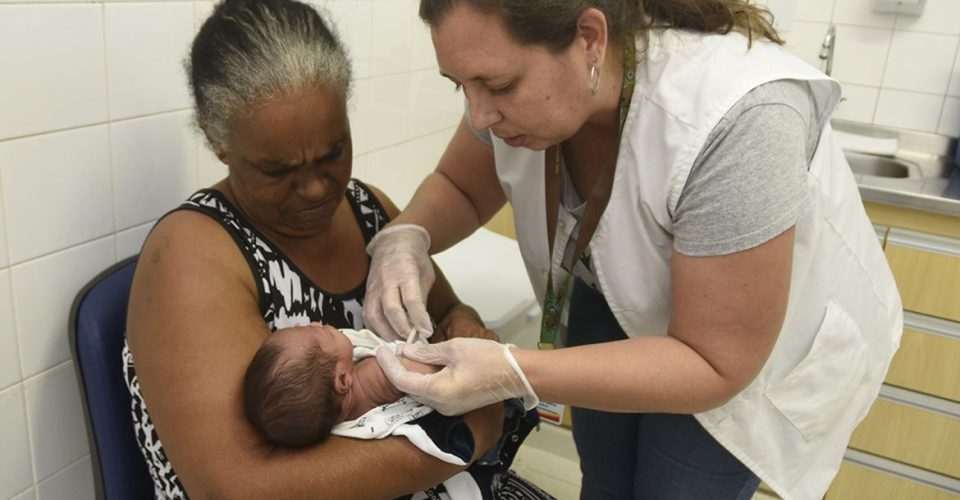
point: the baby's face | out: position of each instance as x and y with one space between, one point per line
332 341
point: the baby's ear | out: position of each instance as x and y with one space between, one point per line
342 381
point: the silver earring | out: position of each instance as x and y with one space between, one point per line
594 78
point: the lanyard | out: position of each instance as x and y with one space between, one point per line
555 298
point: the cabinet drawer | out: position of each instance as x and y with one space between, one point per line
927 270
917 220
928 360
905 433
856 482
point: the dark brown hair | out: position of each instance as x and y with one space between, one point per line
553 23
290 398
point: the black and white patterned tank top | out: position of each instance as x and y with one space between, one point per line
287 297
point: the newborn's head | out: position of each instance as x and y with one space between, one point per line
295 384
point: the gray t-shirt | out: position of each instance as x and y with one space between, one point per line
748 184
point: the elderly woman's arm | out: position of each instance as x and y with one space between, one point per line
193 326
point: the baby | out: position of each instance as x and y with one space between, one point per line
306 379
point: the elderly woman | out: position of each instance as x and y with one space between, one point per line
279 242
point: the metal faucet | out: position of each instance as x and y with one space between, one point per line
826 49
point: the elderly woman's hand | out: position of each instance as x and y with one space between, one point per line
462 321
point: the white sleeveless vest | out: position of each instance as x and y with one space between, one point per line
791 425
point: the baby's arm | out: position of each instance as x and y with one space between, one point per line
376 388
416 366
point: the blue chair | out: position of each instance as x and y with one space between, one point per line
97 324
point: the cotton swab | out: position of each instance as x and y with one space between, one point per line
412 336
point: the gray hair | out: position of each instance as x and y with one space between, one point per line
250 51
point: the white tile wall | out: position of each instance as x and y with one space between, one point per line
131 240
9 352
861 54
399 170
421 45
72 483
210 168
804 40
436 103
4 257
896 70
911 110
384 108
154 164
59 438
146 43
927 73
96 142
43 290
954 88
16 474
354 21
815 10
361 115
860 103
59 182
201 11
950 121
392 47
45 50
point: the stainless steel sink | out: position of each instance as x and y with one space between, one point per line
882 166
919 173
923 155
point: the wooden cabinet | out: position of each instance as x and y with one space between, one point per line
927 270
908 446
857 482
912 435
927 361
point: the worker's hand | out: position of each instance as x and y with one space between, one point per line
475 373
400 278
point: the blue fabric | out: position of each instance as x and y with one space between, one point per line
645 456
97 325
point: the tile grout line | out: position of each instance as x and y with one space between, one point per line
71 247
3 212
110 159
946 97
883 71
407 141
91 125
64 468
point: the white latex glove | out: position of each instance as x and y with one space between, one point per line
401 274
476 373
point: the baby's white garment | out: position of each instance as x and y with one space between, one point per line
389 419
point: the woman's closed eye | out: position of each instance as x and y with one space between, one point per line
276 172
334 153
502 89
